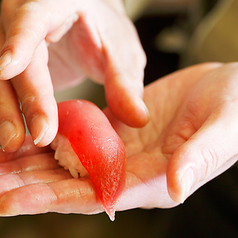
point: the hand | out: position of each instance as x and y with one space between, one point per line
64 41
191 138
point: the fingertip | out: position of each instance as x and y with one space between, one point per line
140 115
127 105
42 132
145 114
180 186
174 187
180 174
134 114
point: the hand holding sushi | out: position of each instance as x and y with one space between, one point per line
65 41
191 138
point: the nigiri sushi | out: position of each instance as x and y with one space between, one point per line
87 145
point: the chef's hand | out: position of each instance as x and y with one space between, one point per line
191 138
64 41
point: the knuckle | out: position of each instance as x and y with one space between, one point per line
29 102
32 102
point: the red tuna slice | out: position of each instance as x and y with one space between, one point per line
98 147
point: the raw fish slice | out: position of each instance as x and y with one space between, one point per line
97 146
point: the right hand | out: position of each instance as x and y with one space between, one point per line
82 37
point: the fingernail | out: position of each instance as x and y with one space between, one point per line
145 114
145 109
5 59
7 133
187 183
39 127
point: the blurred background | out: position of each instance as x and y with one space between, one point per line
174 34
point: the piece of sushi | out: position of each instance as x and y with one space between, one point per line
87 145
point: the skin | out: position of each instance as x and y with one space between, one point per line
65 41
190 139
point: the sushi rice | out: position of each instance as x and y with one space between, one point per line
67 158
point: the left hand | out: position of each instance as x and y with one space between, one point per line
191 138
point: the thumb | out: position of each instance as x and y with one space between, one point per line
208 153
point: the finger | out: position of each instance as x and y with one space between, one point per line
11 122
209 152
124 98
124 75
108 57
12 130
67 196
32 163
28 148
27 26
36 95
14 181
